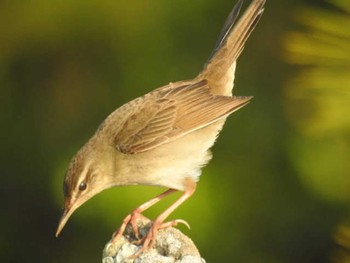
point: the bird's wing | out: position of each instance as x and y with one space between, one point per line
171 113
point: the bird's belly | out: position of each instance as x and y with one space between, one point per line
171 163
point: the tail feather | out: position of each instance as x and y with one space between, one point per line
221 65
230 21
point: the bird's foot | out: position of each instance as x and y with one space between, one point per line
148 241
131 219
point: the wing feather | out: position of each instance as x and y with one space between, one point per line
170 113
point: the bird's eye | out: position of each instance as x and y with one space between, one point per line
82 186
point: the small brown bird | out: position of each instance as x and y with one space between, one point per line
163 138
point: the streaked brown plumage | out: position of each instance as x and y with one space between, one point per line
164 137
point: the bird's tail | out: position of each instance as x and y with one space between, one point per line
221 64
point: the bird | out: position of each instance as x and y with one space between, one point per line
164 137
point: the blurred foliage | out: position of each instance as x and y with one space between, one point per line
318 99
342 238
277 187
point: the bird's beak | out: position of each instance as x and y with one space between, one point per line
67 212
72 204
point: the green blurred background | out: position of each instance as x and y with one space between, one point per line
278 188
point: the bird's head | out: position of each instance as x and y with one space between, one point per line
84 179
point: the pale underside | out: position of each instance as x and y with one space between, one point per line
170 130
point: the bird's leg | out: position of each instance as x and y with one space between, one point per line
190 187
136 214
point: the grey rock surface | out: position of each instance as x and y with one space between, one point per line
170 246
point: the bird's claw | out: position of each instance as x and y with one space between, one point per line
148 241
175 223
131 219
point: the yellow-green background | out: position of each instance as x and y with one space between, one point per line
278 188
